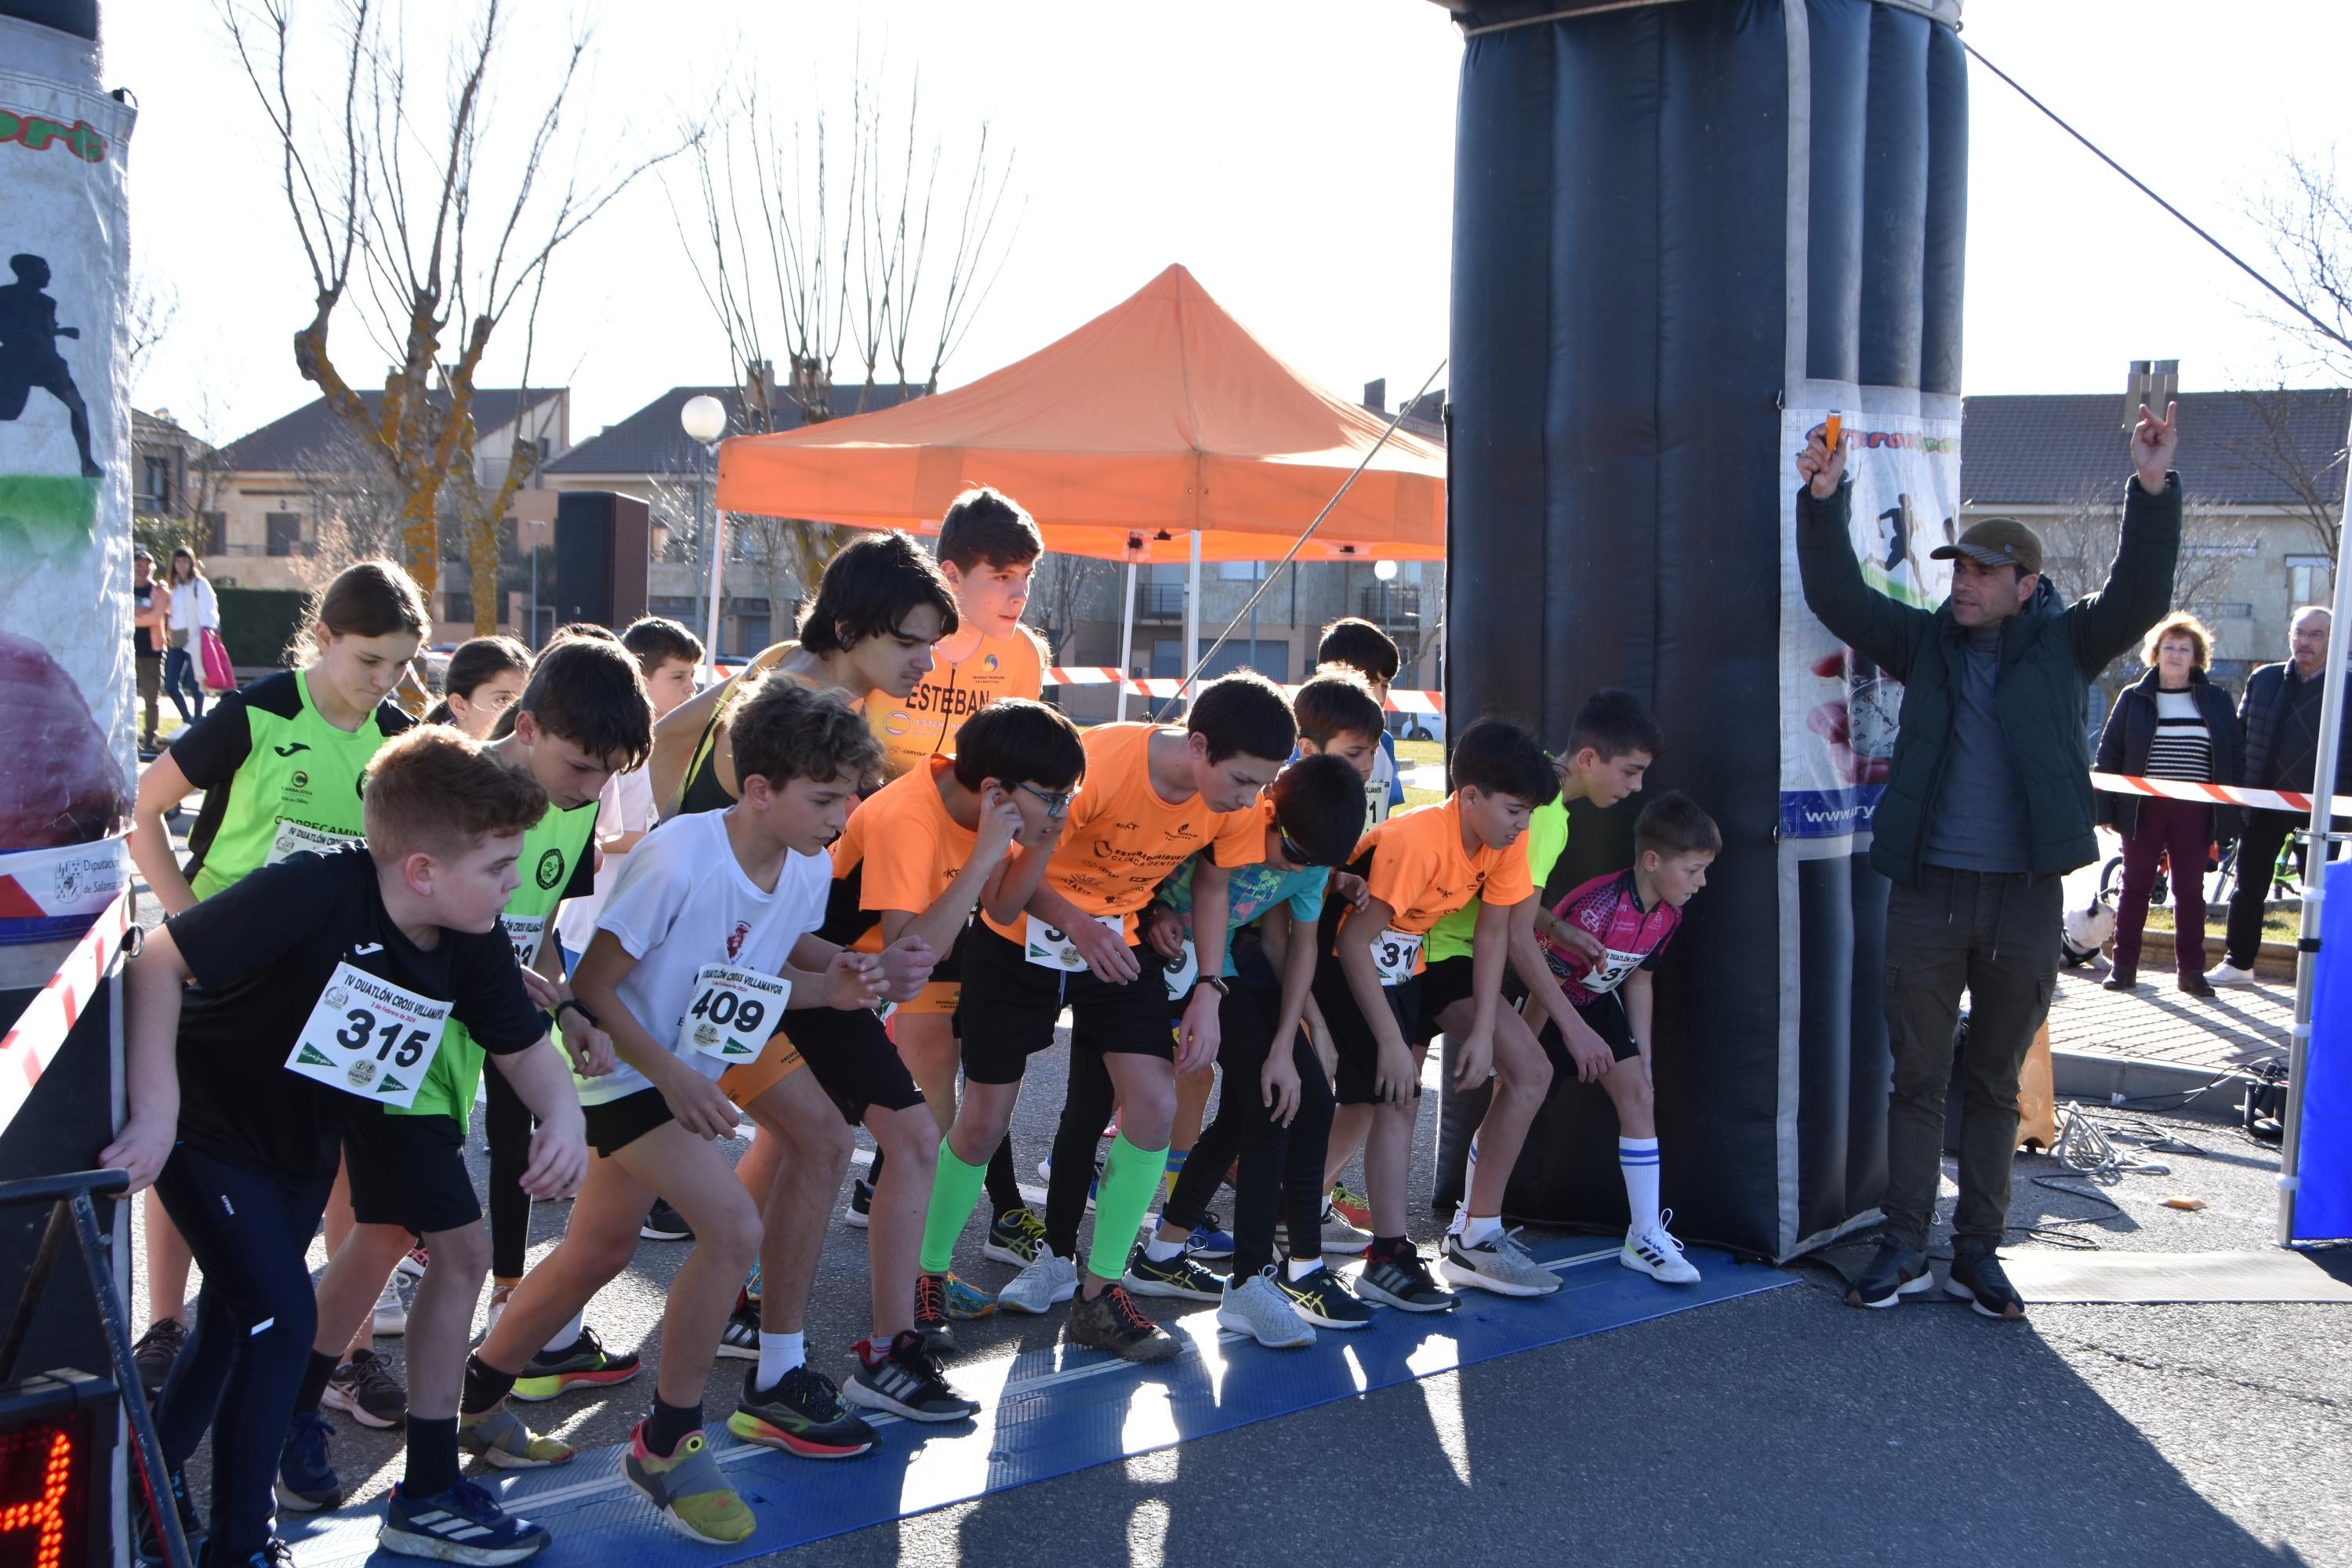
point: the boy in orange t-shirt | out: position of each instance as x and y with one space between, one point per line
1061 933
1418 868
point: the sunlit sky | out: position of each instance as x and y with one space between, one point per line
1295 154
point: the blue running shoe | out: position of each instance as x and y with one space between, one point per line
1207 1241
307 1482
464 1524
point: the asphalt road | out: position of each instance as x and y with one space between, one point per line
1782 1427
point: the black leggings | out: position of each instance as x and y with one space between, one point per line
255 1317
506 1125
1084 1111
1278 1165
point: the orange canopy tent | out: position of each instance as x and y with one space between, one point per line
1159 420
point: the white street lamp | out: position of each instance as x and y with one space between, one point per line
704 420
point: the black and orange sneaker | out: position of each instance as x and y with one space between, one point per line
1112 1322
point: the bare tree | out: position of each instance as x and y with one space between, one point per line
152 308
2078 546
818 241
2281 449
2307 218
401 200
1064 589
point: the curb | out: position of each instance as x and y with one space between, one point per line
2105 1078
2272 960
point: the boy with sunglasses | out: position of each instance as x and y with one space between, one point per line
1276 1109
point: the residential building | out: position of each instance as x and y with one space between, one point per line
300 483
2264 474
173 473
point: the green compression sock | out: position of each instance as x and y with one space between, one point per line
1131 1180
953 1192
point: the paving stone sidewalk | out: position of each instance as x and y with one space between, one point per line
2238 1027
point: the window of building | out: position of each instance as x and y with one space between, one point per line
2309 580
154 483
283 529
215 533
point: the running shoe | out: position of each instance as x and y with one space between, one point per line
664 1223
307 1482
501 1440
1339 1234
415 1261
861 1205
687 1489
1094 1187
585 1364
499 1296
803 1414
1977 1278
1179 1277
739 1340
1256 1307
1353 1207
908 1382
1657 1254
464 1524
1895 1270
156 1352
1036 1288
1207 1241
149 1550
1498 1263
1402 1281
1112 1322
1324 1300
391 1319
1016 1237
364 1389
274 1553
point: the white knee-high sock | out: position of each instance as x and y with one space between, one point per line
1637 1160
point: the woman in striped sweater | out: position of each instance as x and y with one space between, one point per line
2173 725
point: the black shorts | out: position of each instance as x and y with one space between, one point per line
1009 1006
617 1123
408 1171
1606 1017
1442 983
853 1058
1352 1040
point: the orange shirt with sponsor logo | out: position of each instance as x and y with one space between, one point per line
902 846
1123 839
924 724
1420 869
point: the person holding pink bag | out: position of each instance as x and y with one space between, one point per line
194 613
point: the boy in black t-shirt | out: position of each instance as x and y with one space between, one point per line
322 984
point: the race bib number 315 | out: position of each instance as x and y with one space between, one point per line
369 1037
1396 956
1051 947
733 1013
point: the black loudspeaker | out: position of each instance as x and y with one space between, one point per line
600 543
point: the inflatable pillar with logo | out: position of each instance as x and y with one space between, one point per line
1685 234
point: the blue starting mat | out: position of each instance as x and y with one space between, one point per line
1049 1413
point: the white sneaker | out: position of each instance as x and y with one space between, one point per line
1036 1288
2228 974
390 1312
1340 1236
1498 1263
1256 1307
1656 1253
499 1296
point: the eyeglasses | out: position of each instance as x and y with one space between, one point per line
1290 849
1055 805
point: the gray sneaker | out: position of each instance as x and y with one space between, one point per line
1258 1307
1036 1288
1498 1263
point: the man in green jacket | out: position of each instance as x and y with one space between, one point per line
1987 806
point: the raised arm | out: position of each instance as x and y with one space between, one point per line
1856 614
2138 589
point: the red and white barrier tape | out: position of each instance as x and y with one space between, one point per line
2210 793
40 1031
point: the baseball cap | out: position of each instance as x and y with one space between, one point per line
1996 541
141 554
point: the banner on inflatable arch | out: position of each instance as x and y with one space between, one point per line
1838 710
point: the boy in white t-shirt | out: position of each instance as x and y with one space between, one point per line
704 943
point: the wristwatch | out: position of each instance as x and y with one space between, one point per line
575 1004
1215 983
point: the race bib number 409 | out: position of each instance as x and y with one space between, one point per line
733 1013
369 1037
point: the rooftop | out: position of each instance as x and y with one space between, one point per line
2236 447
284 443
650 442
